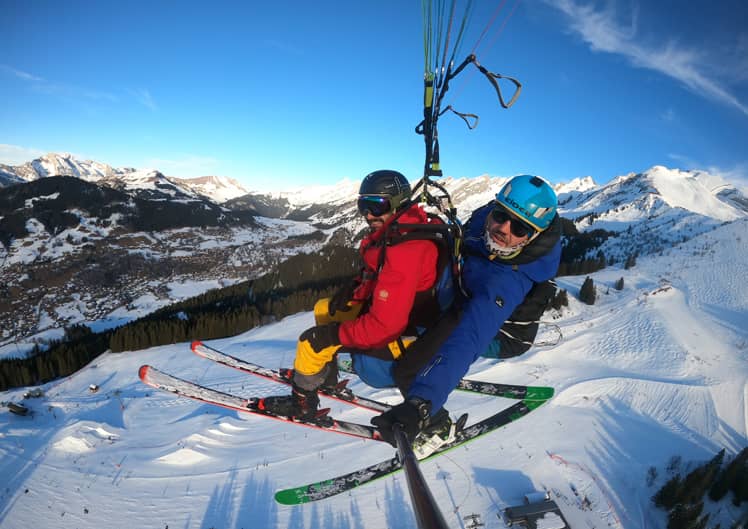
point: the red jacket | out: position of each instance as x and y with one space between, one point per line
409 267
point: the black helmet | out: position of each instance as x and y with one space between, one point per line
386 183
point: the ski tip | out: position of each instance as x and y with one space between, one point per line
290 497
195 345
539 393
143 371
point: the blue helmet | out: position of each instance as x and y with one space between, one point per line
531 199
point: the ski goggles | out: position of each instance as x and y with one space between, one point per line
518 227
374 205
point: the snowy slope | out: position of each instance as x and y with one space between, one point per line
655 370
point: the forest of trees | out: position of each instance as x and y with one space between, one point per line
293 286
683 497
576 248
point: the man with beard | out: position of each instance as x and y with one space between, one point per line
512 246
372 318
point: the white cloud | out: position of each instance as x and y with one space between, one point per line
603 30
144 97
736 175
44 86
17 155
669 115
284 47
20 74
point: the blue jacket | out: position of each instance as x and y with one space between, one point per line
497 287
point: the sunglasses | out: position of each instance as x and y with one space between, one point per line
516 226
375 205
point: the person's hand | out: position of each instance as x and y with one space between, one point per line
412 416
339 300
321 336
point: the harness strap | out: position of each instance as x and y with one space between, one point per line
509 335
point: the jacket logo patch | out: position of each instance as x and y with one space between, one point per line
383 295
499 301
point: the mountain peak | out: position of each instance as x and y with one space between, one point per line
584 183
694 191
218 188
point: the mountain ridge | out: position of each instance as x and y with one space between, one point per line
217 188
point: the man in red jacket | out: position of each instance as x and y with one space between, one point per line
393 295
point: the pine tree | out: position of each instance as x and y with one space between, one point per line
560 299
700 480
587 292
686 516
726 480
619 284
651 476
667 497
740 485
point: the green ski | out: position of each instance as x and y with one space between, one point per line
331 487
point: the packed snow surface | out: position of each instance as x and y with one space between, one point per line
655 370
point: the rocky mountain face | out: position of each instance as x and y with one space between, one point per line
93 242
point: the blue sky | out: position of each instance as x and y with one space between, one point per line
290 93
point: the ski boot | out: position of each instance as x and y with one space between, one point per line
331 385
301 404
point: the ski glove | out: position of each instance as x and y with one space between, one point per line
321 336
315 348
339 300
412 416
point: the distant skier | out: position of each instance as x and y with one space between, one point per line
375 316
512 246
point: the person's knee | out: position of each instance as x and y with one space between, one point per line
312 381
373 372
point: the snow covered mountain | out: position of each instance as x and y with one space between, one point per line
650 381
218 189
64 164
647 212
